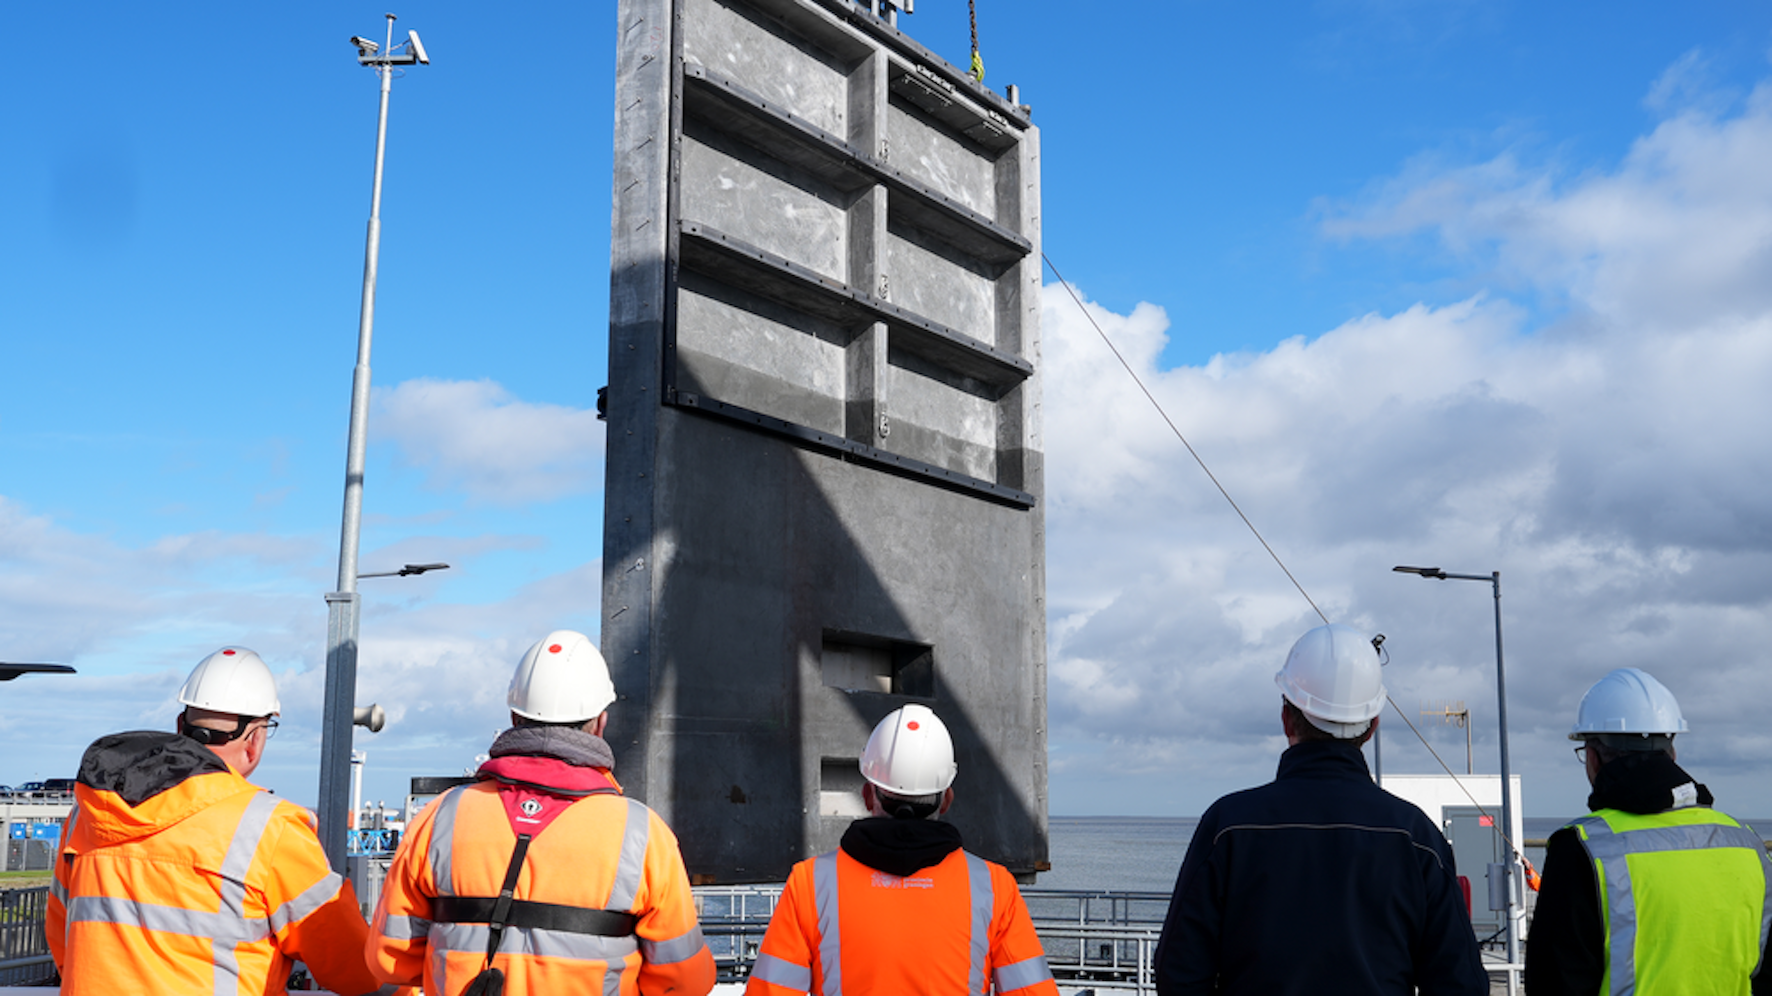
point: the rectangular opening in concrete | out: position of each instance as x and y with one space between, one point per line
839 787
860 663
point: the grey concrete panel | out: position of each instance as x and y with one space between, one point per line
736 189
760 355
824 473
935 423
638 243
768 59
933 154
865 384
942 286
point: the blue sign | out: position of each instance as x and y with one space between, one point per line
46 831
16 831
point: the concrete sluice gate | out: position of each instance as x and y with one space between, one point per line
824 463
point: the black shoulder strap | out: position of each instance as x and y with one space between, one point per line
501 906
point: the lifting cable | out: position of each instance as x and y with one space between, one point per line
1504 831
977 70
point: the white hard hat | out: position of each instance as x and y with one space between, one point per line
1627 701
1332 676
910 754
233 680
562 679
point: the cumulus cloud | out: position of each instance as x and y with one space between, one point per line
135 619
1610 463
1675 236
473 435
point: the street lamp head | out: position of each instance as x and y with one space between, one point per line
1426 572
407 571
9 671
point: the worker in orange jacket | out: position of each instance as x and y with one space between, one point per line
900 907
540 877
178 876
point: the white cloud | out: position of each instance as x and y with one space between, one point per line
1675 236
134 619
438 668
1611 465
473 435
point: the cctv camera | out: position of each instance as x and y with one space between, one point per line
418 47
365 45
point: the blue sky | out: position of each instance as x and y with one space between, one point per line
1481 283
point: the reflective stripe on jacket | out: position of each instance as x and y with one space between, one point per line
209 887
601 852
844 929
1686 897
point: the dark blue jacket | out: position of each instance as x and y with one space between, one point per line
1318 883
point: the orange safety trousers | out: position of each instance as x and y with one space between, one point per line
844 929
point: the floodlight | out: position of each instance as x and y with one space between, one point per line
370 717
418 47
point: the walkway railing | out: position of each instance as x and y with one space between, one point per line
24 954
1106 940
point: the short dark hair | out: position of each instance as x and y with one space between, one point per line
1610 747
1309 732
571 724
902 807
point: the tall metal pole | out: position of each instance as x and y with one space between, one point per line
1510 868
1510 872
342 605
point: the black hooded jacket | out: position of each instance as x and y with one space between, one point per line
1566 952
1317 884
900 847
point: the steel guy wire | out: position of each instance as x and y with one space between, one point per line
1505 832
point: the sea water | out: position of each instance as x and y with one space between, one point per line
1143 853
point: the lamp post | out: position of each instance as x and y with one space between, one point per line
341 605
1510 874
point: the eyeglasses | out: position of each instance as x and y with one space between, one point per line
1581 753
215 738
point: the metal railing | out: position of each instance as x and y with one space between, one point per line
24 952
1105 939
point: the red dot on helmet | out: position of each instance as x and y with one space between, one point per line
227 653
554 649
911 725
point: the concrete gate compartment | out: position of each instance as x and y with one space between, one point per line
824 461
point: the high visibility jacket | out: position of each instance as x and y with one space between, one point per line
177 876
1686 897
599 852
842 928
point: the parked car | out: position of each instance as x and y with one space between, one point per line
5 791
29 789
58 786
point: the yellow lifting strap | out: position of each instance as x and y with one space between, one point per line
977 61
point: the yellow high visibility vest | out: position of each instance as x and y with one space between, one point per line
1686 898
